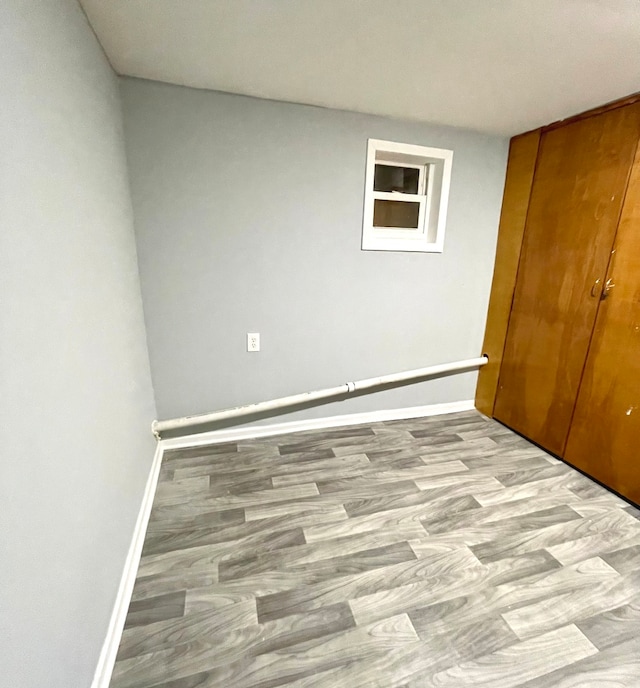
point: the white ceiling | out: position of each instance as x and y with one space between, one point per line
502 66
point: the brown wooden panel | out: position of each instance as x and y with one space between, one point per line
523 152
620 102
604 440
576 198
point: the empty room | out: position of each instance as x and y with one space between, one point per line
320 343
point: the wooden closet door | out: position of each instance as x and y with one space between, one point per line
577 193
604 440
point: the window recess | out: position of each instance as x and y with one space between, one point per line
406 194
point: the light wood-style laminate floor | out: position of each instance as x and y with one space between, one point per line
444 551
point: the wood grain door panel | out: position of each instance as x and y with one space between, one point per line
523 153
577 194
604 440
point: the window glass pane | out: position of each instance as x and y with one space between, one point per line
390 178
395 214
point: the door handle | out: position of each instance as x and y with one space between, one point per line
608 286
594 288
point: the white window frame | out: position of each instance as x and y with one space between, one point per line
434 165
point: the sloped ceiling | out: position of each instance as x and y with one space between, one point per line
500 66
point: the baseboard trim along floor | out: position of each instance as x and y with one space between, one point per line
104 669
107 658
253 431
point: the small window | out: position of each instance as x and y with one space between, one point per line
406 194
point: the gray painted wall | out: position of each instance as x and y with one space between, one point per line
75 392
248 219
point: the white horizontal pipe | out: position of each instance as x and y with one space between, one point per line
159 426
429 371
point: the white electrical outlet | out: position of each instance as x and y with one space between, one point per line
253 341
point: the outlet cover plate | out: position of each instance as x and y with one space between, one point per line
253 341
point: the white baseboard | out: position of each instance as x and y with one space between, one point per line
251 431
107 659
